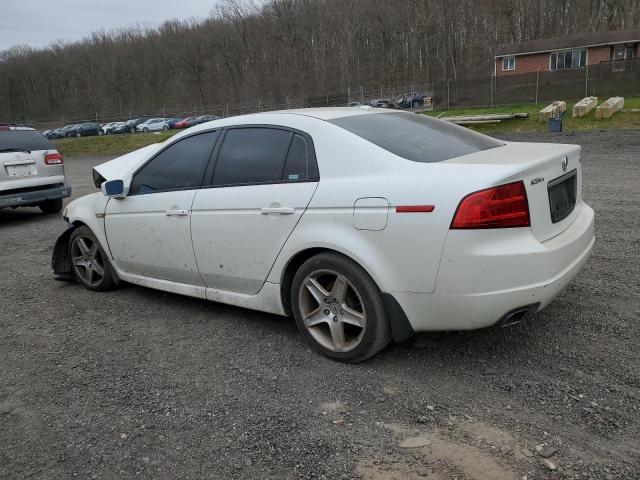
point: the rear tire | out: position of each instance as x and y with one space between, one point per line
338 308
51 206
89 262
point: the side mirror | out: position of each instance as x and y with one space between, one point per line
113 188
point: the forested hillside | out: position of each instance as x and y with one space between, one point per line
283 48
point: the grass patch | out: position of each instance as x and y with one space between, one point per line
531 124
109 144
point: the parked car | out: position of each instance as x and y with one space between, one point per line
58 132
113 126
83 130
107 128
186 122
31 171
132 124
49 134
154 124
206 118
381 103
411 100
364 225
171 122
120 127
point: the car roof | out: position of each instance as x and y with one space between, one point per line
331 113
14 128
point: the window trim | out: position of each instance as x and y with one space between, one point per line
206 169
507 60
311 157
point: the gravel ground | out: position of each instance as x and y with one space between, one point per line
140 383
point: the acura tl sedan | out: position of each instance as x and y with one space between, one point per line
366 225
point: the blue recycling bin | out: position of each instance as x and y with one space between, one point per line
555 123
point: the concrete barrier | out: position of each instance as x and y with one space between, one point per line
557 106
584 106
609 108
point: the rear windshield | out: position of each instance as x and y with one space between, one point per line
419 138
24 140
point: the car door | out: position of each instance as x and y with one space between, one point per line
263 180
148 231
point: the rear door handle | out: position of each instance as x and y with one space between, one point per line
280 210
177 213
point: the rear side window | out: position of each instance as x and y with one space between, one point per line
252 155
418 138
180 166
300 164
30 140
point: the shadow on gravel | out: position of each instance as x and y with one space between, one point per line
21 216
204 311
488 348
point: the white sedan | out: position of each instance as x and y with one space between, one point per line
365 225
153 125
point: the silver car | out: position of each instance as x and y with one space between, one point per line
31 171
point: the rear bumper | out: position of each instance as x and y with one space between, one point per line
484 275
34 197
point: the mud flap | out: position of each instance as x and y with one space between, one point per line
401 328
61 261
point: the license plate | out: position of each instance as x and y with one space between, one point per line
562 196
21 170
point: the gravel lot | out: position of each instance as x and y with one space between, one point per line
138 383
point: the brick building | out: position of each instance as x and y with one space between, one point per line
568 52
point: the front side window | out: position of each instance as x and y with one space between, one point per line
255 155
509 63
180 166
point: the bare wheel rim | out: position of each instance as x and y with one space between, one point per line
88 262
332 310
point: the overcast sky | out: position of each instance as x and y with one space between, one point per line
40 22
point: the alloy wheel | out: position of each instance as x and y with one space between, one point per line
332 310
88 262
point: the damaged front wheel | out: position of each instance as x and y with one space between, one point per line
89 262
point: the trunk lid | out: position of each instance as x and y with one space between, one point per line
552 175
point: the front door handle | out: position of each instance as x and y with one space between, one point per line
280 210
176 213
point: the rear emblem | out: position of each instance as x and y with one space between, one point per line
565 164
537 180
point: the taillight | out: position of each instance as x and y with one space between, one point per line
53 159
505 206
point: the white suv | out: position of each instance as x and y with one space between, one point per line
31 171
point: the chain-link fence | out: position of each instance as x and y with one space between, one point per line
618 78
